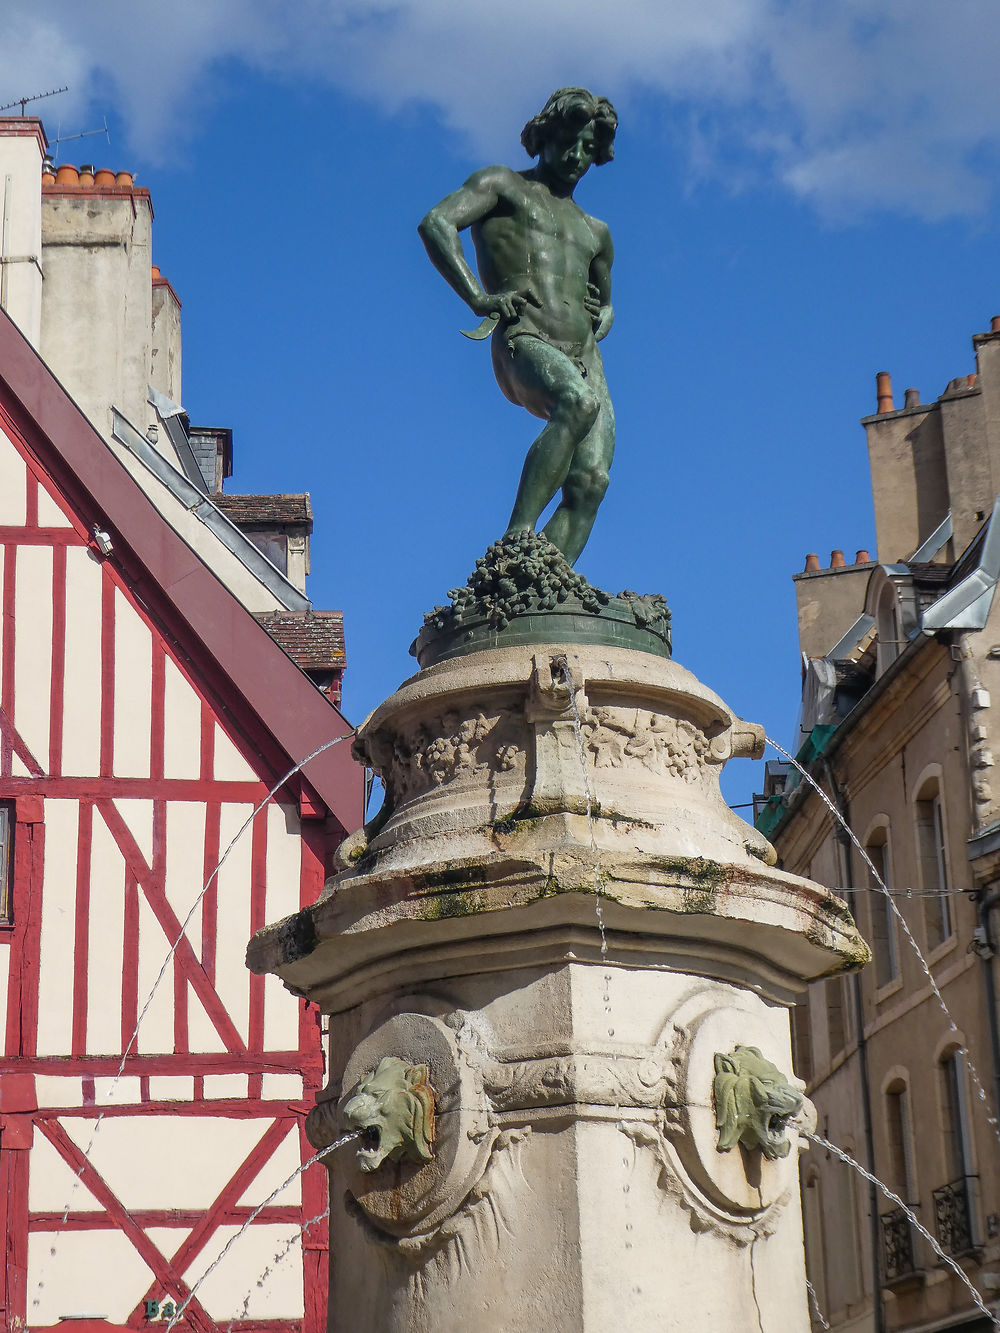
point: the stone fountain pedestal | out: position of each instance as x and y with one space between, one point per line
557 925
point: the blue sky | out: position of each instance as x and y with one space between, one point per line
800 198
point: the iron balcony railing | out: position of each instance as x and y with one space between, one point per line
954 1215
898 1253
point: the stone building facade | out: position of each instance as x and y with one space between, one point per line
899 727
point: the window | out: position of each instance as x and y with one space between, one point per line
6 861
812 1209
801 1043
888 628
836 1022
956 1123
933 865
901 1174
883 941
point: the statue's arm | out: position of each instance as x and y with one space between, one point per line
600 280
439 231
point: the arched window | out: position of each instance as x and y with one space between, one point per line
812 1215
954 1201
934 879
901 1173
802 1042
883 941
888 628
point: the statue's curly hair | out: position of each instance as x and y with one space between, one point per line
567 111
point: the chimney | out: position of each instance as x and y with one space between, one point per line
883 391
911 398
862 558
837 560
812 564
995 324
97 307
22 151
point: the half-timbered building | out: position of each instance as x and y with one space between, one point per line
152 1091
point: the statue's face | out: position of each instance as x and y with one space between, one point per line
570 156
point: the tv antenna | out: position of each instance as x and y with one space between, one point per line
85 134
22 102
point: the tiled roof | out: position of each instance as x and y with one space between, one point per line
312 639
241 509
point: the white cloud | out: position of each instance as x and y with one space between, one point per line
853 106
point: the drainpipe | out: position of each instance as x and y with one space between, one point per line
878 1309
986 903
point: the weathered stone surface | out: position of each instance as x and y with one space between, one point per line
558 917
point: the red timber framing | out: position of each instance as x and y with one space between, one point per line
246 692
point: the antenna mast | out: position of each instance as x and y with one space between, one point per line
22 102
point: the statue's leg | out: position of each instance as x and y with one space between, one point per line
586 480
545 381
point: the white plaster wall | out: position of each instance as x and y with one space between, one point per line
4 977
133 684
156 1030
194 1156
230 766
12 485
91 1272
186 863
284 869
182 725
105 934
281 1087
137 813
58 1090
235 1279
55 979
81 750
53 1186
50 515
232 978
282 1163
171 1088
33 649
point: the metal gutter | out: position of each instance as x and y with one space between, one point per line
967 605
197 503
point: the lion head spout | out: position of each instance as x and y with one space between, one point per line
393 1107
753 1103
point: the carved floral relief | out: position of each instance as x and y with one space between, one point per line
440 750
617 738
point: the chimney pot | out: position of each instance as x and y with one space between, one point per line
155 271
87 175
837 560
124 180
883 392
995 324
862 558
104 177
911 398
812 564
67 175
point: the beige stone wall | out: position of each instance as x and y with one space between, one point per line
828 601
916 731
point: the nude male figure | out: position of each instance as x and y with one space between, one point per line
545 270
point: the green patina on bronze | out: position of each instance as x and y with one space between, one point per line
753 1103
393 1107
524 591
544 290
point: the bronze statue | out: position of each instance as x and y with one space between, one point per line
545 270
